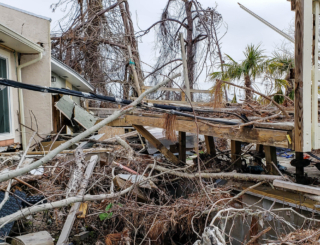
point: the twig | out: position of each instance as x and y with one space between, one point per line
253 239
66 145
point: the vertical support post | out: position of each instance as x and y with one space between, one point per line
315 127
185 66
135 75
271 156
299 169
236 152
211 149
183 96
86 104
182 146
303 45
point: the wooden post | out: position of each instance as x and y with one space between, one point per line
271 156
185 66
299 169
183 96
211 149
135 75
236 152
157 144
303 52
182 146
67 227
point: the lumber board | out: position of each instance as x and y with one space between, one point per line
295 200
289 126
179 90
157 144
110 132
270 137
297 187
298 97
303 65
171 102
119 122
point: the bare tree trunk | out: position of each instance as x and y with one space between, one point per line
190 44
248 83
220 57
130 39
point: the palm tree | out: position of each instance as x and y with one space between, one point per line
251 67
279 67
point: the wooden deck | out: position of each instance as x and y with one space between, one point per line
268 134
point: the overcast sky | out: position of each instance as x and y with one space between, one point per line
243 29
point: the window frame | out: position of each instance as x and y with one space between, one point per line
11 135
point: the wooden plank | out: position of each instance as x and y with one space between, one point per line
211 148
271 156
179 90
171 102
250 135
63 238
303 44
297 187
119 122
182 146
110 132
235 153
157 144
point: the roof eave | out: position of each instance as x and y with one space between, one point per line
73 73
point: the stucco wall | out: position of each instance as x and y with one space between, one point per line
38 31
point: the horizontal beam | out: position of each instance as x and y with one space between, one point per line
296 187
179 90
260 136
171 102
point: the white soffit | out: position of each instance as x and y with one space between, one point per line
13 40
70 75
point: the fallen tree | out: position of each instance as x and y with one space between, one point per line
66 145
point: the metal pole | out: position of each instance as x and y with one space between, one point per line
285 35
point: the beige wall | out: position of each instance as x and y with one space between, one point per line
37 30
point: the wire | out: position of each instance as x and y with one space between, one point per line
173 109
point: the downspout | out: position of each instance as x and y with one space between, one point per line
21 104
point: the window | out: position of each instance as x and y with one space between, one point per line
4 100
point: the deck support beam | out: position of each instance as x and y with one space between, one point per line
182 147
211 148
157 144
235 153
271 156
